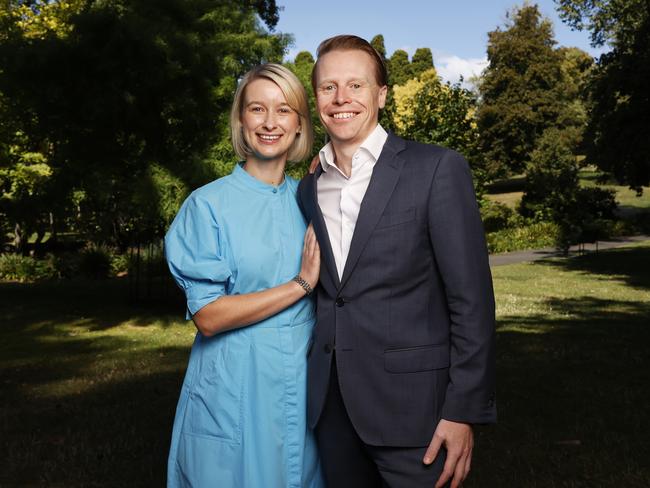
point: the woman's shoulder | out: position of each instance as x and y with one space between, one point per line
292 183
212 189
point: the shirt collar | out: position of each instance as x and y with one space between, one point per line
374 144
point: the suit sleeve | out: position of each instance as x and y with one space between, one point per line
458 242
302 195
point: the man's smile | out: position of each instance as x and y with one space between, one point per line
345 115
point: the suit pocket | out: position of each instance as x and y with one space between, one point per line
418 358
396 218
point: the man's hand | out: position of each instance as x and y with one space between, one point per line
458 439
314 164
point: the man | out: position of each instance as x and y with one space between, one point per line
402 359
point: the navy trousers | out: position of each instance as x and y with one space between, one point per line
348 462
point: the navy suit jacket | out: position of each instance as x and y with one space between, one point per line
412 317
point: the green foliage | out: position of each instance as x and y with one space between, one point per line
16 267
422 61
428 111
496 216
619 119
399 68
114 92
95 262
302 67
519 90
553 193
378 43
532 236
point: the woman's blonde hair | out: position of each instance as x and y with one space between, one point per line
296 97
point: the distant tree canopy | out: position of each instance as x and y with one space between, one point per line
378 43
519 90
619 121
119 100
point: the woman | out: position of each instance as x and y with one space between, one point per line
236 248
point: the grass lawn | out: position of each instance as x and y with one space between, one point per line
510 191
573 374
89 384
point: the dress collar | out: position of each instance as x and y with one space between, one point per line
248 180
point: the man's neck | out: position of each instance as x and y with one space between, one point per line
343 154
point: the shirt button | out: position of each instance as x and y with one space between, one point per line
275 190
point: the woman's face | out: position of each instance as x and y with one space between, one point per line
269 124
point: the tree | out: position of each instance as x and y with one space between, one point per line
119 88
428 111
422 61
576 67
620 106
553 193
302 67
399 68
519 90
378 43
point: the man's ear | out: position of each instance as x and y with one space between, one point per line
383 91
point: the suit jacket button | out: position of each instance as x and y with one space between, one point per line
340 302
327 348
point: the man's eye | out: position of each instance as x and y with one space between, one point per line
329 88
356 86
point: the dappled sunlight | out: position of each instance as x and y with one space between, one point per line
522 329
628 265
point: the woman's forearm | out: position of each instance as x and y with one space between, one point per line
234 311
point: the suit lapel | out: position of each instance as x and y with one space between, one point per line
381 186
321 229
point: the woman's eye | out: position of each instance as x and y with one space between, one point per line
285 110
256 109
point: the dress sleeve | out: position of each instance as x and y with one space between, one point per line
194 253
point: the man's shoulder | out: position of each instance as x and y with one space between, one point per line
420 153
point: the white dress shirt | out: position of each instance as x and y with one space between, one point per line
340 197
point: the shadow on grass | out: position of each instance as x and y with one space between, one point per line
629 264
572 395
116 434
99 304
78 408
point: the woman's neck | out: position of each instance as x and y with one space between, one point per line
270 172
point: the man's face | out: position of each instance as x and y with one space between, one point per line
347 95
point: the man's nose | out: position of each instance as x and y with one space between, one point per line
342 95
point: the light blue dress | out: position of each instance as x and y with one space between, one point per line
240 421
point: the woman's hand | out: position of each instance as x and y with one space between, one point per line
233 311
310 267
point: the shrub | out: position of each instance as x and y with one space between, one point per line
95 262
26 268
532 236
120 264
495 215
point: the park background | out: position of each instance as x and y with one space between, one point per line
112 111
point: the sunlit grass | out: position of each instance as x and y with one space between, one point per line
509 192
89 383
